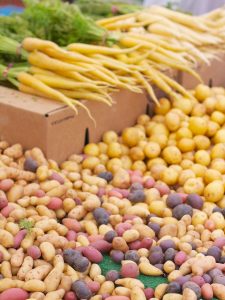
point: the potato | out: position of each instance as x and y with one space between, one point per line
152 150
186 144
38 273
164 107
202 157
6 239
47 250
194 186
202 92
201 142
214 191
34 285
219 136
172 155
212 175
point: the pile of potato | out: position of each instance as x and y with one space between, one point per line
152 199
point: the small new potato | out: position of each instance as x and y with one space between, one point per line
110 137
218 151
91 149
198 125
183 132
211 175
160 139
164 107
201 142
210 104
172 121
202 157
212 128
198 110
172 155
218 117
186 144
169 176
219 136
194 186
137 153
218 164
131 136
184 104
152 150
214 191
202 92
114 150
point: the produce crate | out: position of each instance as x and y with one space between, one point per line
52 126
212 75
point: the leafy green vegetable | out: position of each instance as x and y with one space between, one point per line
62 23
26 224
15 27
106 8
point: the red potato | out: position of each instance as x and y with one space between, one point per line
19 237
6 184
7 210
207 291
95 238
55 203
14 294
70 296
57 177
72 224
101 246
34 252
94 286
3 202
71 235
92 254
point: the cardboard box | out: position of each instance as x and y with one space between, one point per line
212 75
33 121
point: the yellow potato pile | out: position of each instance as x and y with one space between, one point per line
183 145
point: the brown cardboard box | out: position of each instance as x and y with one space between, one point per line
212 75
33 121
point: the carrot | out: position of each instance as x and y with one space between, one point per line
36 84
90 49
57 81
31 44
41 60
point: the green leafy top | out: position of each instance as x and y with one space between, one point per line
26 224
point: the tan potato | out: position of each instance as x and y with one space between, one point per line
38 273
25 268
6 239
17 258
54 277
6 269
34 285
47 250
137 294
56 295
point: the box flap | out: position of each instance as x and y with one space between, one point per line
27 102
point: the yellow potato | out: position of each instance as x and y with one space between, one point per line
152 150
212 129
218 117
172 155
183 132
160 139
214 191
194 186
219 136
169 176
172 121
201 142
184 104
136 153
218 164
198 125
34 285
202 157
202 92
198 110
211 175
164 107
186 144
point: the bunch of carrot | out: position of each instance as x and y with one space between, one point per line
88 72
171 34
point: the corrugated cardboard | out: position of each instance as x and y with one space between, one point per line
33 121
212 74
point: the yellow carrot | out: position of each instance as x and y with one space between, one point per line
57 81
147 86
41 60
90 49
34 83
